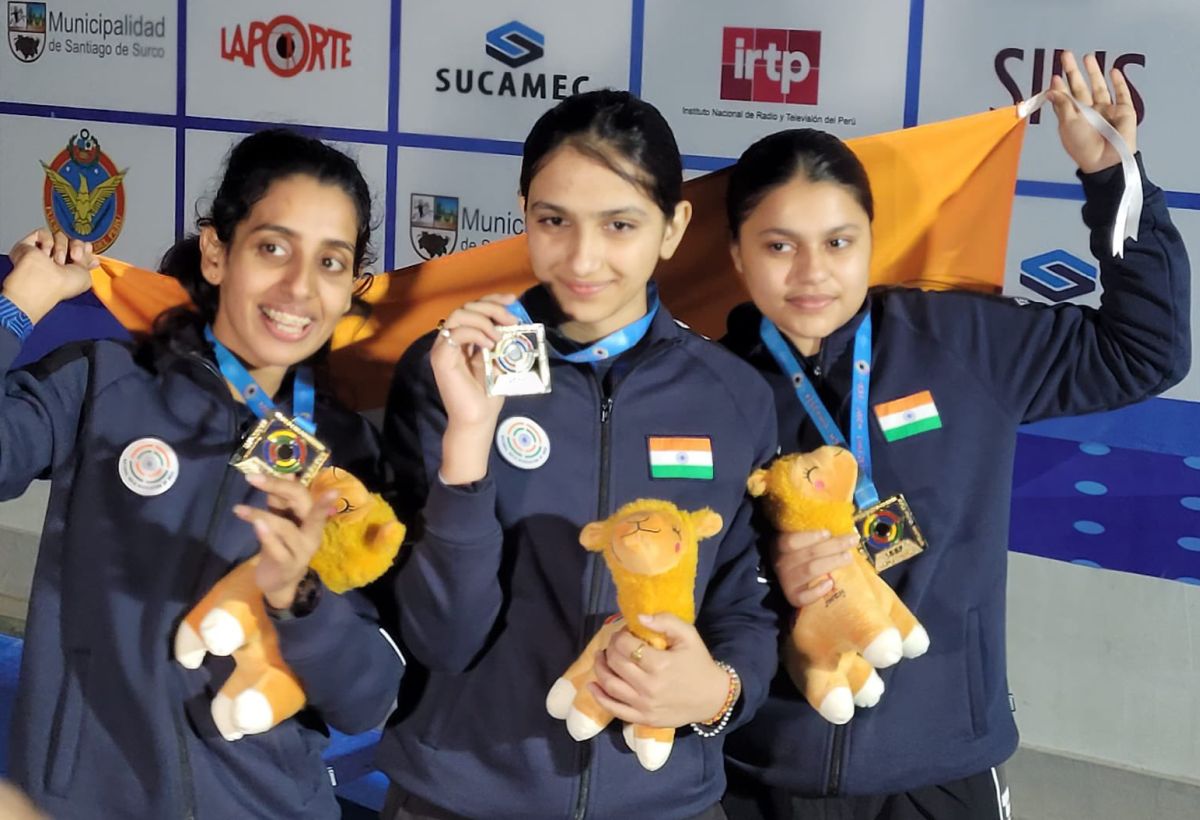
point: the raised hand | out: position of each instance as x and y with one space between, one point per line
1091 151
47 269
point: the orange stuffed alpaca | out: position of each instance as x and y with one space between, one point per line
861 625
651 549
358 545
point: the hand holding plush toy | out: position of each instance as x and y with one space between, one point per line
860 625
651 549
358 545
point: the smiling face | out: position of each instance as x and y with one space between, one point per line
287 274
804 253
595 239
828 473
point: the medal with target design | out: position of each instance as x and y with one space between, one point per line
279 446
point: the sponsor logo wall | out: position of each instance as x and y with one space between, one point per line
115 115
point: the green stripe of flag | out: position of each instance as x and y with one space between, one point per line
680 471
912 428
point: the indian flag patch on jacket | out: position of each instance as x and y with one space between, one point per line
681 457
908 416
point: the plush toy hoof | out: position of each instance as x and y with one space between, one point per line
252 712
870 692
222 715
651 753
630 738
222 632
581 726
887 649
838 706
558 702
917 642
189 648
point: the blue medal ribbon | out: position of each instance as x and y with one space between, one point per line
612 345
303 394
865 494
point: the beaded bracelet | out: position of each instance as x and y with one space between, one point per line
721 719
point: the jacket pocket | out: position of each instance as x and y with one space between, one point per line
68 724
975 679
297 759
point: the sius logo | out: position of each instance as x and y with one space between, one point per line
1058 275
770 65
515 44
1009 60
287 46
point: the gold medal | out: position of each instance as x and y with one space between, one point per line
519 364
279 446
888 533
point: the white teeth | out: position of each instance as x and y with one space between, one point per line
288 321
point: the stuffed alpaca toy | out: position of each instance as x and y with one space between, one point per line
861 625
651 549
358 545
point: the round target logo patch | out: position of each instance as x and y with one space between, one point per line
523 443
148 467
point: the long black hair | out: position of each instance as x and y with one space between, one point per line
252 166
614 128
774 160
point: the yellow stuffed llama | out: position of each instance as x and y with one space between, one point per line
861 625
651 549
358 545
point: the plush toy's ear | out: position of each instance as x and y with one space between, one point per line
594 536
756 484
706 523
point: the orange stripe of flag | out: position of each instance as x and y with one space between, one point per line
667 443
906 403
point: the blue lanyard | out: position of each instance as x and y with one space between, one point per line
865 494
303 395
612 345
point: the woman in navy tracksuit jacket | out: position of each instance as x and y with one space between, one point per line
107 724
498 597
800 209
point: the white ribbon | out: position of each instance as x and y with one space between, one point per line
1129 211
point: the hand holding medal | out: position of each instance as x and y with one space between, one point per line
464 338
289 533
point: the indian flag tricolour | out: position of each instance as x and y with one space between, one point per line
908 416
681 457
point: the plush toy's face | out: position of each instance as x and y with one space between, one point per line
828 473
354 499
648 543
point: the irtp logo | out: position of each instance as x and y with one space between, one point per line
770 65
84 193
27 30
515 44
1040 80
287 46
1058 275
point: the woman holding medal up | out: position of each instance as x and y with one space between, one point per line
146 513
946 379
497 597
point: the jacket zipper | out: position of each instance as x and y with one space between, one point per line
585 749
188 786
597 584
